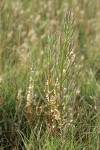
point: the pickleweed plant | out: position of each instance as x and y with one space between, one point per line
60 89
60 84
60 81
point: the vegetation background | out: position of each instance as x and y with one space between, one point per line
49 75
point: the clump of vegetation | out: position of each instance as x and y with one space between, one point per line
49 75
60 86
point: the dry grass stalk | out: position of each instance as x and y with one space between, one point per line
30 101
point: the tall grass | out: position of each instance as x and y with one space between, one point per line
49 75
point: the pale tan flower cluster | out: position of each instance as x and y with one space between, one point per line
30 100
30 93
72 55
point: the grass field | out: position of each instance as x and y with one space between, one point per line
49 75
